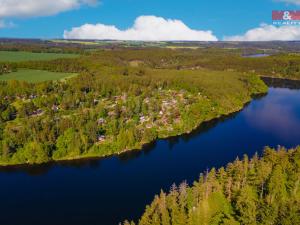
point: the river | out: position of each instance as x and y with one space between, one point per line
107 191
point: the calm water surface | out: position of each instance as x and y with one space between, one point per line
256 55
109 190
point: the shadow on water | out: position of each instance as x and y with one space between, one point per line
41 169
281 83
133 154
32 170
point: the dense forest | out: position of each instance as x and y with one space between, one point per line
123 97
282 65
285 65
97 115
252 191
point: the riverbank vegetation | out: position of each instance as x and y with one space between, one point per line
98 115
262 190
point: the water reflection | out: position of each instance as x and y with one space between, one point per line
31 170
256 55
279 115
281 83
43 169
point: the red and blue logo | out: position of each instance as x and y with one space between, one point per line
286 17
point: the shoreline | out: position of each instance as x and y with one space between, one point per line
279 82
141 145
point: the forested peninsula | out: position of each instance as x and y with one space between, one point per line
259 190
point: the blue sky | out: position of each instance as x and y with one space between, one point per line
223 17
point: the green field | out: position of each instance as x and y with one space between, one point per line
35 76
10 56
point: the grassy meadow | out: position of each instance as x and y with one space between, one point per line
19 56
35 76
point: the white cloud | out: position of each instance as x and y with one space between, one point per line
296 2
33 8
145 28
268 33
